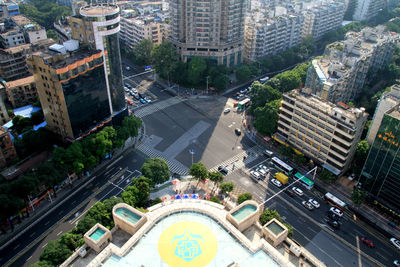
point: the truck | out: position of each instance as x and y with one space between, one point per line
281 177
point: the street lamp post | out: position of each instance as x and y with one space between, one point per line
192 152
207 84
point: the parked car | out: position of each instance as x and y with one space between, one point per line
276 182
314 203
142 101
297 190
226 111
223 170
261 171
336 211
126 89
308 205
268 153
238 131
243 91
395 242
367 242
396 263
255 175
289 192
128 68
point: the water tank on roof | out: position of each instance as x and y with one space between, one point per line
71 45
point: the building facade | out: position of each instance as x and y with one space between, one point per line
210 29
380 174
267 37
7 150
72 90
325 132
21 92
134 30
367 9
342 71
98 27
322 18
387 102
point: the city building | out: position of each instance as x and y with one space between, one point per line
209 29
7 150
8 9
72 90
267 37
323 17
11 35
33 33
63 30
13 60
21 92
367 9
98 26
380 174
341 73
134 30
325 132
4 118
387 101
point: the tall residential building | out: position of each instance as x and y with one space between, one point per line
342 71
267 37
323 17
21 92
210 29
134 30
8 9
72 90
387 102
7 149
33 32
381 172
325 132
98 27
4 118
367 9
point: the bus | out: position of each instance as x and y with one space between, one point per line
282 165
264 80
334 201
244 103
304 180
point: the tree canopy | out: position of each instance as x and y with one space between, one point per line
142 51
243 197
157 170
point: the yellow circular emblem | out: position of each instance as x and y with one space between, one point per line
187 244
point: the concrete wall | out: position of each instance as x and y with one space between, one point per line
249 220
126 225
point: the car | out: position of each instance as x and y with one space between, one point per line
236 94
255 175
367 242
128 68
243 91
223 170
396 263
297 190
395 242
351 177
268 153
276 182
289 192
336 211
226 111
261 171
126 89
148 99
142 101
238 131
333 216
314 203
334 224
308 205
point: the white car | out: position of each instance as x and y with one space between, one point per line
255 175
261 171
336 211
396 263
243 91
227 110
298 191
276 182
263 167
314 203
395 242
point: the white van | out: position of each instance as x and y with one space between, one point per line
264 80
268 153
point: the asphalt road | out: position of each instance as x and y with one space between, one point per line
29 245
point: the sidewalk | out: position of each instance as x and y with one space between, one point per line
63 194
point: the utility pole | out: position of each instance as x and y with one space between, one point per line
207 84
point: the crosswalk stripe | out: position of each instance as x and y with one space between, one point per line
152 108
238 159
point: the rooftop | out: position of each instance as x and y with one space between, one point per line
21 20
99 10
395 114
20 82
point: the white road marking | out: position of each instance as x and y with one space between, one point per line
16 246
28 258
379 254
59 233
32 234
47 223
358 251
44 245
312 230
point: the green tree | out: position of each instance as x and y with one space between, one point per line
215 177
227 187
142 51
266 117
286 151
42 264
23 186
268 215
71 240
132 124
55 253
215 199
143 185
289 80
197 66
243 197
360 156
165 57
156 170
9 206
21 124
262 94
327 176
198 171
130 195
358 196
243 73
85 224
299 159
